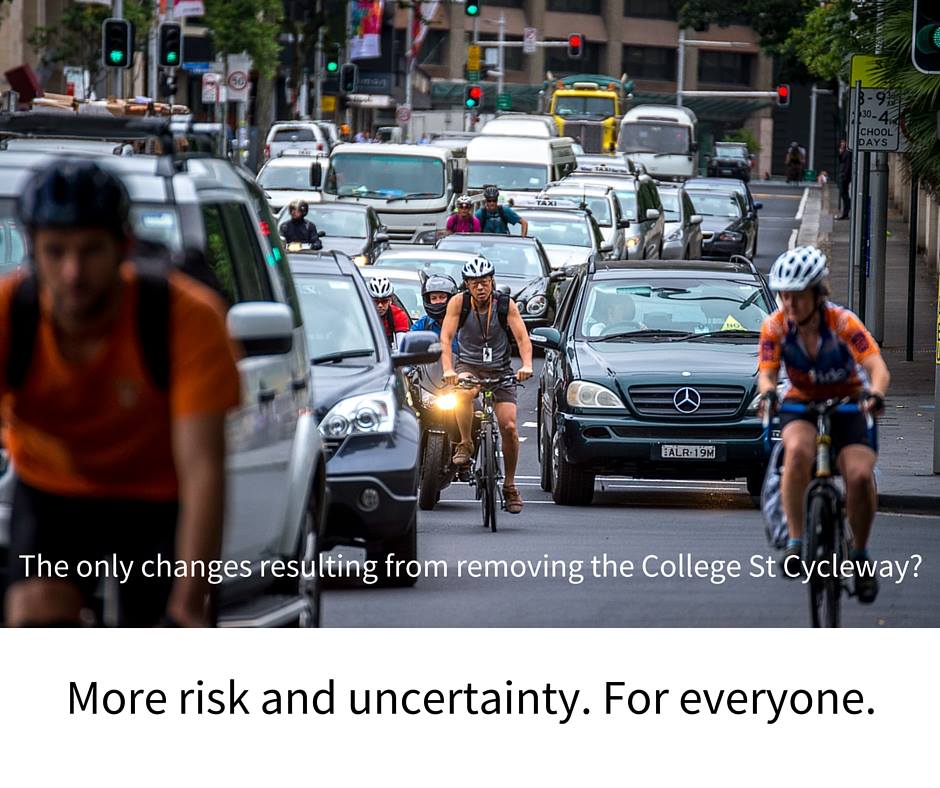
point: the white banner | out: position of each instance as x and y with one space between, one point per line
469 707
188 8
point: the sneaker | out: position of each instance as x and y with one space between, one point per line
463 454
790 562
512 500
866 586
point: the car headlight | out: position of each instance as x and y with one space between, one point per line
364 414
361 260
583 394
727 235
633 242
782 387
537 305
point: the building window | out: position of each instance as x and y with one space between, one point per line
652 9
725 68
512 56
433 49
575 6
650 63
557 61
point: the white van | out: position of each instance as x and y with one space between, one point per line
519 166
518 125
661 138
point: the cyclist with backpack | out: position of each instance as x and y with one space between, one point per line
115 385
463 221
496 218
482 320
828 354
394 320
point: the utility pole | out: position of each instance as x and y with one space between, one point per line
409 63
501 60
318 81
117 12
680 73
152 52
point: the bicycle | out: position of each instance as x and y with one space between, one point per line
826 539
485 471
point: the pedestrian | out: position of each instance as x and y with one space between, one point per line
496 218
463 221
299 229
114 397
845 179
794 163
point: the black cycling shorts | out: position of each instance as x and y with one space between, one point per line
72 529
845 429
505 393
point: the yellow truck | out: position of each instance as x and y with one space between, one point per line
588 108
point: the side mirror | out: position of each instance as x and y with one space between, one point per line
458 181
623 224
557 276
263 328
693 147
758 206
695 219
417 347
381 238
321 233
607 248
546 337
316 175
652 214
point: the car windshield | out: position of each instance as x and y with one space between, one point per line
643 137
712 204
670 201
301 134
12 239
385 176
451 268
592 106
334 315
509 259
731 150
337 223
564 231
293 176
514 177
687 304
598 206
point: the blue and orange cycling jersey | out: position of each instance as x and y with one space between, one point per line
844 343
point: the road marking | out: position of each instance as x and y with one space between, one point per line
792 242
799 211
648 482
770 196
529 424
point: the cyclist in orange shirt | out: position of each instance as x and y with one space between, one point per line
828 354
114 387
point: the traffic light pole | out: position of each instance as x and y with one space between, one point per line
318 81
117 12
409 65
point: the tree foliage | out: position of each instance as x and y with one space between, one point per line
249 26
825 40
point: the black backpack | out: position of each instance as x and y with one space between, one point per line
502 310
153 328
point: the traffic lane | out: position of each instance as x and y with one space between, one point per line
627 526
777 221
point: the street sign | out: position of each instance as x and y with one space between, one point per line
199 67
878 112
530 36
237 81
504 101
403 114
473 76
211 84
863 70
328 103
473 57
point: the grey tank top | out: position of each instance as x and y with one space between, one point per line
470 342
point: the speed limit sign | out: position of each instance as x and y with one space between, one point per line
403 114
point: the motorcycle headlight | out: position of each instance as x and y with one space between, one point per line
537 305
583 394
446 401
427 399
733 237
364 414
633 242
361 260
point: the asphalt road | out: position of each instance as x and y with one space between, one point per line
630 520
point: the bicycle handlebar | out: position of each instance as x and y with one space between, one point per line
847 405
488 383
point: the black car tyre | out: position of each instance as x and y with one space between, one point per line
405 549
545 460
309 587
432 460
571 485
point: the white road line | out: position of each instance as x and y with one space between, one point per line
529 424
649 482
799 211
793 235
522 439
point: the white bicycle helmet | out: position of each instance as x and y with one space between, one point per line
463 199
798 269
477 268
380 287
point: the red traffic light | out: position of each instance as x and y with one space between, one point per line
574 41
575 46
783 95
474 97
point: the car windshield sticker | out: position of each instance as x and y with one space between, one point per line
732 325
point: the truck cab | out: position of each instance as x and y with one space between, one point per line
587 108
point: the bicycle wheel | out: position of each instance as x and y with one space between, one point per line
820 543
495 477
488 479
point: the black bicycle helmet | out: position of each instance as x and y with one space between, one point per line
299 205
490 192
74 194
437 283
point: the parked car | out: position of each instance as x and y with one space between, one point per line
683 227
351 228
298 135
569 235
521 264
740 187
277 474
730 160
601 200
727 228
288 177
372 437
651 371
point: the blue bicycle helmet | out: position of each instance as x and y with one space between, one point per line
74 194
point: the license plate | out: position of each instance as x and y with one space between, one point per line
687 452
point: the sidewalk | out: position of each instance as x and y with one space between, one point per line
906 481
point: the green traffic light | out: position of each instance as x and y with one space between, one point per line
332 66
928 39
171 57
116 55
472 9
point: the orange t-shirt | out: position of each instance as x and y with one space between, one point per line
101 428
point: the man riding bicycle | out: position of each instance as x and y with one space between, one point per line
496 218
828 354
482 320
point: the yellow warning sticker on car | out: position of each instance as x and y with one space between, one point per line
731 324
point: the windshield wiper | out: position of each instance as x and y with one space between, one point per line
413 196
670 153
340 355
643 333
735 332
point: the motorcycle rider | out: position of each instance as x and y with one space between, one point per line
394 320
436 292
299 229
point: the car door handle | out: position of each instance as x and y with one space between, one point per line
266 395
298 384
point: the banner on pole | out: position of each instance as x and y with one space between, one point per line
424 13
365 38
188 8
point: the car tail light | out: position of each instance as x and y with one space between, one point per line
319 146
267 151
265 228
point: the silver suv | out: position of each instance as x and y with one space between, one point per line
296 134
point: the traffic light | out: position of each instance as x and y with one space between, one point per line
472 8
117 43
473 97
348 78
332 65
575 46
171 45
783 95
925 41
